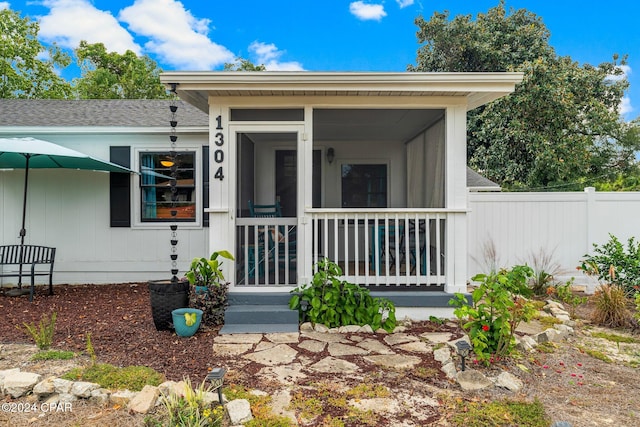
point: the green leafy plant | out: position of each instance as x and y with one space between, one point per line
566 295
90 350
335 302
42 334
497 307
610 306
613 263
636 315
133 378
53 355
208 287
190 408
545 269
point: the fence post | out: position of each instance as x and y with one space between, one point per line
591 217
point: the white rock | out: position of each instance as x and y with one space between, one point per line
62 386
473 380
442 355
17 384
366 329
509 381
450 370
45 387
319 327
145 400
83 389
239 411
121 397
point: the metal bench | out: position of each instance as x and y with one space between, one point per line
27 255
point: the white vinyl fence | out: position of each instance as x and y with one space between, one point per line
565 225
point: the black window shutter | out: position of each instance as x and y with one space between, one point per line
205 184
120 188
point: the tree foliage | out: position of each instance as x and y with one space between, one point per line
29 69
242 64
560 129
110 75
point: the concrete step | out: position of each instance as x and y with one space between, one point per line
249 314
262 328
259 298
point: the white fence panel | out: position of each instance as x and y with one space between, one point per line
566 225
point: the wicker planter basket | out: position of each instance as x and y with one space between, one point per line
167 296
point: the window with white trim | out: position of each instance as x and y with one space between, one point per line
159 202
364 185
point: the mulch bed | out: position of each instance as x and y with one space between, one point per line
118 317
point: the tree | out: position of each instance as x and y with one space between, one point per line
24 73
110 75
560 129
242 64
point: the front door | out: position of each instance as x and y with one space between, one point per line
266 191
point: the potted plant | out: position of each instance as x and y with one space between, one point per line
186 321
208 287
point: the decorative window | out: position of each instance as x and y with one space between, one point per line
161 201
364 186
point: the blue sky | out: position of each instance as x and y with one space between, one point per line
329 35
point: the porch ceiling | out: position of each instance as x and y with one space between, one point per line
196 87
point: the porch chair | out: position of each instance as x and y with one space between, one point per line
276 239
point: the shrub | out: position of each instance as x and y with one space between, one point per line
191 409
42 334
610 306
133 378
613 263
545 269
497 307
208 287
566 295
334 302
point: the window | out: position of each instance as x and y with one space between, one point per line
364 186
158 201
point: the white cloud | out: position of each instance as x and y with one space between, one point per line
268 54
70 21
4 5
366 12
404 3
625 106
176 37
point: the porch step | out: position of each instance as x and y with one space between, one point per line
259 313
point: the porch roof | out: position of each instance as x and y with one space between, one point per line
478 88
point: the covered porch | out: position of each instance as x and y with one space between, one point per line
365 169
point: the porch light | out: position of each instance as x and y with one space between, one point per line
331 154
463 347
216 376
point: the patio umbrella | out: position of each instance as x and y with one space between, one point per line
31 153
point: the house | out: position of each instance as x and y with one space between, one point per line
366 169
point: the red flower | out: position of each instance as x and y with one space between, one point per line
485 328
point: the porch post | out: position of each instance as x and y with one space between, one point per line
456 198
222 189
305 198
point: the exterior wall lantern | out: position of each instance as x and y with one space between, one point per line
331 155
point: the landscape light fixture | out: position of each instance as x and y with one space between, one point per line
463 347
216 376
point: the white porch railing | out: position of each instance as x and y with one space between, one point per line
267 249
397 247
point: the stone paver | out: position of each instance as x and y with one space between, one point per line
231 349
277 355
283 337
334 365
396 361
401 338
312 345
375 346
337 350
238 339
326 337
286 374
416 347
436 337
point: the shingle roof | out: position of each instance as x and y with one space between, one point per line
97 112
477 182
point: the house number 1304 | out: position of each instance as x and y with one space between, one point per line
218 155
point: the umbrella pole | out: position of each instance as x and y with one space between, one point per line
23 231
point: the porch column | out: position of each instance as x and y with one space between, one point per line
456 198
221 190
305 198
